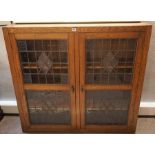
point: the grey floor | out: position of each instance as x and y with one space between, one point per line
11 125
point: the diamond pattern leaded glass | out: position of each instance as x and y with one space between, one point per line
44 61
110 61
49 107
107 106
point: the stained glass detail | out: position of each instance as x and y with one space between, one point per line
44 61
110 61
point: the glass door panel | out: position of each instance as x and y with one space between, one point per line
44 61
109 61
106 79
107 106
46 66
49 107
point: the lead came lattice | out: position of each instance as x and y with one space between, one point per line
107 106
44 61
110 61
49 107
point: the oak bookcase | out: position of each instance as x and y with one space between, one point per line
78 77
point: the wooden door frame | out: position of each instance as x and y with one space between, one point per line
133 87
20 87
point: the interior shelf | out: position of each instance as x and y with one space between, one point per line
54 66
64 66
40 109
99 66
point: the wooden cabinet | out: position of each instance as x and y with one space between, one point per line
78 77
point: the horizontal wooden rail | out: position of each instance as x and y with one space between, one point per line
107 87
46 87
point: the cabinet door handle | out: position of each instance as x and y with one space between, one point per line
73 89
82 89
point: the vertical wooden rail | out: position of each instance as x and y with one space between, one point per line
1 114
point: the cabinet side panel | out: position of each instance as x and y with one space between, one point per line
16 76
145 45
137 68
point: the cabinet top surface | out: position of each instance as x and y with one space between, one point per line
100 24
